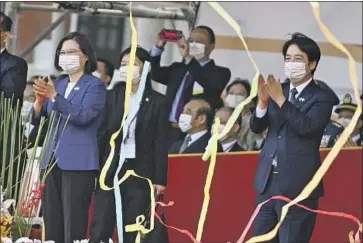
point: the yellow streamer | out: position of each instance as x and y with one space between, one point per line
107 165
203 213
338 145
254 87
141 218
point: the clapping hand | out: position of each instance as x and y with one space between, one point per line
274 90
44 90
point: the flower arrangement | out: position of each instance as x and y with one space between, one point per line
20 179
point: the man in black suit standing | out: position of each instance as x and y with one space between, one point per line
180 77
229 142
196 120
13 74
13 69
295 114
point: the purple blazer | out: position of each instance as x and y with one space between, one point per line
77 147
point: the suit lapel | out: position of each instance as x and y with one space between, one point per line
78 87
62 86
305 95
145 107
195 146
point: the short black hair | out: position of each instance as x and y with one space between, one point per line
85 46
143 56
6 22
306 45
109 68
207 111
141 53
244 82
211 35
231 110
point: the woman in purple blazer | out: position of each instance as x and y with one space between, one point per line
77 101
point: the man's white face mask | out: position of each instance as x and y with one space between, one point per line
295 71
197 50
234 100
135 74
344 121
185 122
220 129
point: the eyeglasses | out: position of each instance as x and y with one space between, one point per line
67 52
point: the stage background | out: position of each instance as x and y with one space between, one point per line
233 196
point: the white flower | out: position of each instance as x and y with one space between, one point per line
4 239
80 241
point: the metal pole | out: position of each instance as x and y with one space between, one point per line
140 13
45 33
14 15
2 6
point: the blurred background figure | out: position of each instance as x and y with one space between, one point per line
104 71
229 142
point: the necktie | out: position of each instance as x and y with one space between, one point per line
293 96
185 144
185 96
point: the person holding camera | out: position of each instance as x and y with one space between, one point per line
180 77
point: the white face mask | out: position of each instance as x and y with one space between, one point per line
197 50
295 71
96 74
135 74
25 110
70 64
220 130
234 100
344 121
185 122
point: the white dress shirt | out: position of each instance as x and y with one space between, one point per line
262 112
1 51
130 141
228 146
69 88
196 136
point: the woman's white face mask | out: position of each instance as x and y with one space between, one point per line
295 71
135 74
69 63
234 100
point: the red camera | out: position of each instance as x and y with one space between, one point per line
170 35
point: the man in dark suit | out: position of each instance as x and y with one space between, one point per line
295 114
196 120
13 74
180 77
229 142
13 69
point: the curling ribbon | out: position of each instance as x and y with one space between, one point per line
340 142
116 182
208 182
118 200
335 214
254 87
236 113
186 232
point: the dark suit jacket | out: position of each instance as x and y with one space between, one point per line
196 147
13 74
151 134
211 77
236 148
294 136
